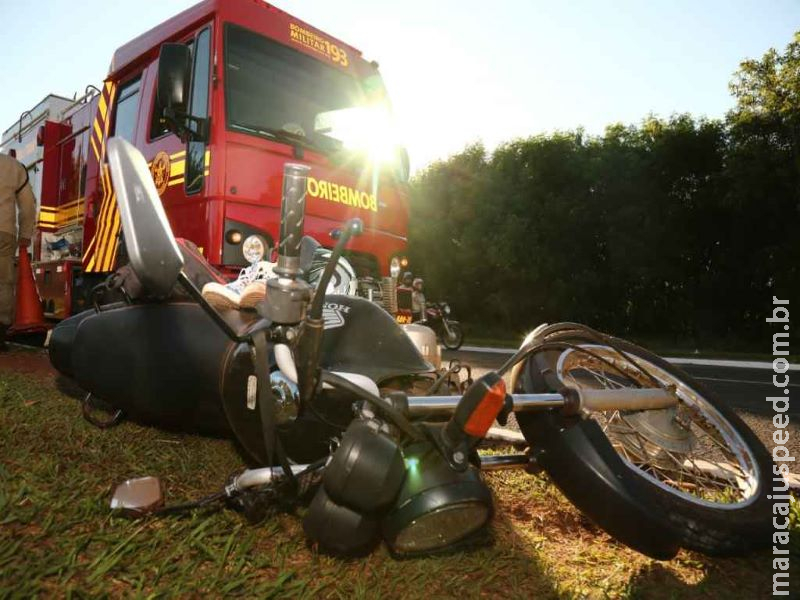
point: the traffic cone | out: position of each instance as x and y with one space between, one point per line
28 316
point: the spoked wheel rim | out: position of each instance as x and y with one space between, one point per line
451 337
691 451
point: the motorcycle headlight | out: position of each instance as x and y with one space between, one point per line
438 508
253 248
394 267
446 309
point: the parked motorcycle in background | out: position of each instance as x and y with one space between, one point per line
412 307
449 332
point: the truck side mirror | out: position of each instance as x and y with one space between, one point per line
152 249
174 72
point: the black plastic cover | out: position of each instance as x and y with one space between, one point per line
337 530
367 469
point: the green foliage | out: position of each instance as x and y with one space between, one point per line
680 228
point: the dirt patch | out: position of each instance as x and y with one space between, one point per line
25 360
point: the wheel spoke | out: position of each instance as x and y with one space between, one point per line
712 465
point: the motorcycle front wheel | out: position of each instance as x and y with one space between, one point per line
452 335
707 472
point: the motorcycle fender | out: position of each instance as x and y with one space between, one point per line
586 468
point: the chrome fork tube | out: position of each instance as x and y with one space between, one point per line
504 462
442 406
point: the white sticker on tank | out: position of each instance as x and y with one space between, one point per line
252 391
333 315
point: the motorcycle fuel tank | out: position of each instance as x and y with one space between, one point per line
424 338
361 337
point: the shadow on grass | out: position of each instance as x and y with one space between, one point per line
58 536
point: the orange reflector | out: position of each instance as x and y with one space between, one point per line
487 410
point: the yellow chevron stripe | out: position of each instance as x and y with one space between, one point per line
177 168
98 248
102 105
55 224
102 246
94 246
72 204
66 214
97 129
107 242
107 123
66 206
94 147
113 240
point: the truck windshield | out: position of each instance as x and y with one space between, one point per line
278 92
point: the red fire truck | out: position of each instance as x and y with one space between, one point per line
258 88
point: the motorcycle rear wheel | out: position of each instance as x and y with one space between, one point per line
707 471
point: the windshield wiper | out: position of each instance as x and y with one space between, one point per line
281 135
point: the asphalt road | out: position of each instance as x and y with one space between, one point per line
744 388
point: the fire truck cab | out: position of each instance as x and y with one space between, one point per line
218 99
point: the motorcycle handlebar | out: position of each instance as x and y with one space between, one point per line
293 204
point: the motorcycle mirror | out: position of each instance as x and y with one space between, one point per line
137 497
152 249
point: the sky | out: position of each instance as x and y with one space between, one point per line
457 71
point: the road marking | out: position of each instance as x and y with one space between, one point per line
487 350
743 381
702 362
742 364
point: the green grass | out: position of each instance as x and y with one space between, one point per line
59 539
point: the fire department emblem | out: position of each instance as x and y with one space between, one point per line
159 169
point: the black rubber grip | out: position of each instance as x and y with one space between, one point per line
293 206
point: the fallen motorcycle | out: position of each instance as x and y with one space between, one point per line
323 394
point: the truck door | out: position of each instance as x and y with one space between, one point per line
179 170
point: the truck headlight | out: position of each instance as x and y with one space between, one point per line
253 248
394 267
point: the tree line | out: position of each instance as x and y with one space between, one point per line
680 229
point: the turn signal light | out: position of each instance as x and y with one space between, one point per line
474 415
487 410
234 236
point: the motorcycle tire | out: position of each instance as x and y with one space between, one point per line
705 524
454 339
